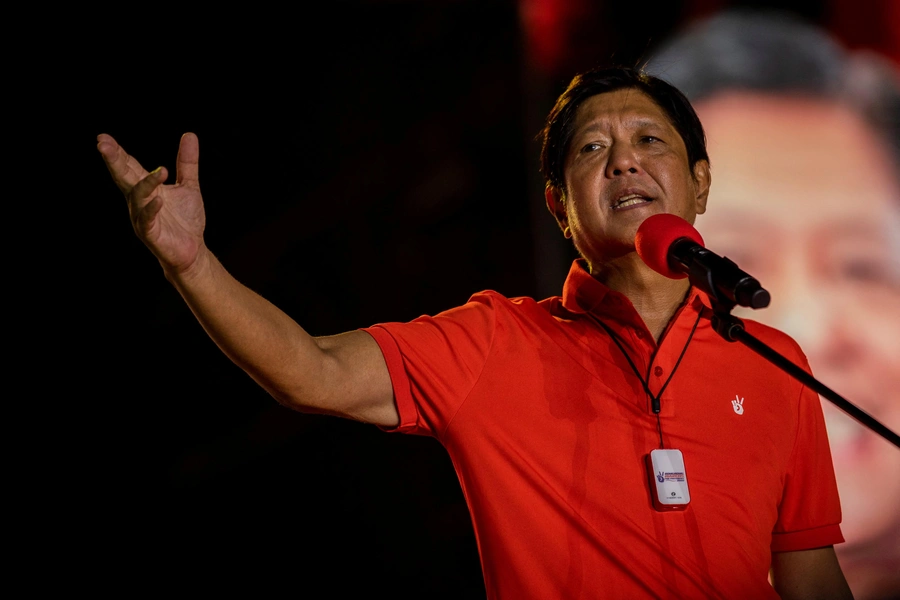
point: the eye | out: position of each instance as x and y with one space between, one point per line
590 147
649 139
867 269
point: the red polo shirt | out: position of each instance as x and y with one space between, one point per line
548 426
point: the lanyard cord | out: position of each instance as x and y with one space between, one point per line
654 400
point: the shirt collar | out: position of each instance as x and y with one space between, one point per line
584 294
581 292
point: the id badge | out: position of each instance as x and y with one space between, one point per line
668 480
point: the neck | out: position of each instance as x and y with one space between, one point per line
655 298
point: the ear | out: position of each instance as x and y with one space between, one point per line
556 204
702 181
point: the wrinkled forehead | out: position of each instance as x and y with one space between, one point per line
809 167
625 104
815 157
630 107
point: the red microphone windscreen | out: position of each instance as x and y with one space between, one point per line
654 237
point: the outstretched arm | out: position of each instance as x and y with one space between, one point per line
343 375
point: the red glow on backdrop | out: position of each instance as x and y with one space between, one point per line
550 27
546 25
893 18
871 25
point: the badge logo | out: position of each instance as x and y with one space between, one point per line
738 405
666 476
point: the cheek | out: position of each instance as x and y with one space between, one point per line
877 325
584 227
674 177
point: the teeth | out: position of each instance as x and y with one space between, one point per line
629 200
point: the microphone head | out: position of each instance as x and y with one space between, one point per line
656 235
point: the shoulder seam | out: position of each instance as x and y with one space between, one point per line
483 364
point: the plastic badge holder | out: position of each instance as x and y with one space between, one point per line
668 480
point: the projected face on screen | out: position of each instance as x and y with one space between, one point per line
805 197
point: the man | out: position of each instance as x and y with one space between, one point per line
805 134
549 409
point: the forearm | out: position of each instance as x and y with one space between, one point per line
342 375
257 336
336 375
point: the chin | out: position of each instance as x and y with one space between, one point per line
867 469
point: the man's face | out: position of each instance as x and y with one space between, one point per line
626 161
806 200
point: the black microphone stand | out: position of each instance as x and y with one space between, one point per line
732 329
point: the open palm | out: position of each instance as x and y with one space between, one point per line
169 219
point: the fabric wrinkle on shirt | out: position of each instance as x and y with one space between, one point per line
547 427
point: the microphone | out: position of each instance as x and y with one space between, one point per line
672 247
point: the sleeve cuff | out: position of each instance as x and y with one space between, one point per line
818 537
406 408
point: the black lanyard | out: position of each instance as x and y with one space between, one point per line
654 400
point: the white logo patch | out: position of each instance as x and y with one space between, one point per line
738 405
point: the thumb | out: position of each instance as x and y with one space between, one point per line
187 166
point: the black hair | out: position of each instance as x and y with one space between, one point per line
559 128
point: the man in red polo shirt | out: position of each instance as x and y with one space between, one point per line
549 409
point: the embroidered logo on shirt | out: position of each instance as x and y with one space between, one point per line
738 405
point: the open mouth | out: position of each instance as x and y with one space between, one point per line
630 200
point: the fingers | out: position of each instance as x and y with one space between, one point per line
188 162
142 192
144 217
125 170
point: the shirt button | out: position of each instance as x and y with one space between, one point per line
658 371
640 334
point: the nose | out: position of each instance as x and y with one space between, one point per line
622 159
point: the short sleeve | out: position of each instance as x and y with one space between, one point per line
434 362
809 515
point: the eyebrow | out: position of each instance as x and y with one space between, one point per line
636 122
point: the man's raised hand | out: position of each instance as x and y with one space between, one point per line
169 219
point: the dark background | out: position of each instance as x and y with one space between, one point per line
361 161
